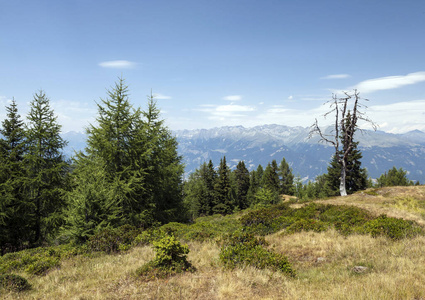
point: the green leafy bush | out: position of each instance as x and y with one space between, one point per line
241 249
392 228
170 259
14 283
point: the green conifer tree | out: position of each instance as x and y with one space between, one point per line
224 201
14 208
164 167
118 140
45 168
286 178
394 177
356 176
241 175
255 178
270 178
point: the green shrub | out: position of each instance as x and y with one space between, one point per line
42 265
392 228
265 215
241 249
14 283
307 225
345 218
170 259
311 211
268 220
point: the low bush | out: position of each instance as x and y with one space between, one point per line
14 283
39 260
392 228
170 259
307 225
345 218
240 249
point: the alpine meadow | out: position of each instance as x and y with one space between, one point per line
118 220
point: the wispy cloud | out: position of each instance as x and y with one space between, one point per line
389 82
233 98
230 113
118 64
399 117
234 108
336 76
161 97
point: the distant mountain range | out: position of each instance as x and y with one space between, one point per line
307 157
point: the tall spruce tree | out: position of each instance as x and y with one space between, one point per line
241 175
255 179
270 178
225 200
118 143
286 178
199 193
14 209
140 172
45 169
164 167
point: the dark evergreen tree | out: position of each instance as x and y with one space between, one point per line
140 172
194 191
199 193
241 175
119 141
270 178
394 177
224 201
286 178
164 167
210 176
356 176
87 211
260 173
255 178
14 209
45 168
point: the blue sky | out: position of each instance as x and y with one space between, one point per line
215 63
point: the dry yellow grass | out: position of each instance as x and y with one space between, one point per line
324 263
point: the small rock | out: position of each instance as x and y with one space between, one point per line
359 269
320 259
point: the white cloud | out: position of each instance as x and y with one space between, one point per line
389 82
118 64
399 117
233 98
290 97
234 108
161 97
336 76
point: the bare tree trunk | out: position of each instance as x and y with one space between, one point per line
342 189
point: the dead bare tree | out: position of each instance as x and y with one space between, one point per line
342 137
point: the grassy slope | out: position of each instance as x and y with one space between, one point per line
324 262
